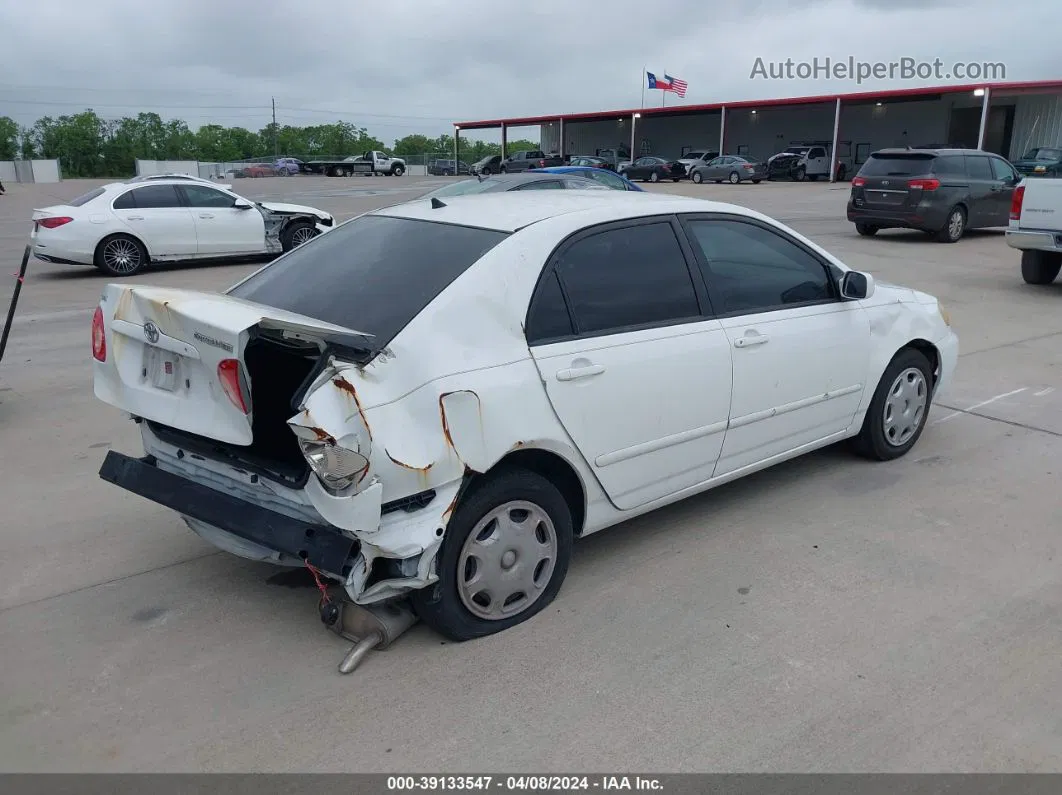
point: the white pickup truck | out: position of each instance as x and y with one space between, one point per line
1036 228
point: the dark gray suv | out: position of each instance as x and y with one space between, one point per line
941 191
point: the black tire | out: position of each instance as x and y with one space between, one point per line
866 230
336 172
297 229
872 441
954 228
697 177
108 255
675 179
1040 267
734 178
485 171
441 606
799 174
654 176
398 170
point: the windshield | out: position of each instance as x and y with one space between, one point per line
465 187
798 150
899 165
373 274
1043 154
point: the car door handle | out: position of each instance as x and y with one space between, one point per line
206 215
751 339
135 218
572 373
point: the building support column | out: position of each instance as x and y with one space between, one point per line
505 141
560 144
836 134
722 130
457 150
634 123
985 102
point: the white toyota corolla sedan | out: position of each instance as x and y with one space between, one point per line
122 227
466 385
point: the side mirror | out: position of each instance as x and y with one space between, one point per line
856 285
242 204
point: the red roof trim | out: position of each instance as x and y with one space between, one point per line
759 103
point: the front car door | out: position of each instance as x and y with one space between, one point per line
637 371
818 162
639 169
221 228
1003 189
800 352
155 214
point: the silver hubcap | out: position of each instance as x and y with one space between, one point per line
121 256
905 406
955 224
507 561
302 234
733 177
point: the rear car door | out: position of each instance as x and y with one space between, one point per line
156 215
221 227
800 353
635 367
1006 178
982 191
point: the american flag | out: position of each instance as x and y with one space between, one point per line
676 85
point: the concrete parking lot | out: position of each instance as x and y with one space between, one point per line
827 615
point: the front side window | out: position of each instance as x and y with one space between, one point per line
627 277
752 269
201 196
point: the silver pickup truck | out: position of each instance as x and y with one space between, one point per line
1036 228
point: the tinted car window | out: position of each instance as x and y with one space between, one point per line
548 317
949 166
553 184
373 274
200 196
752 269
897 165
464 188
607 178
85 198
125 202
1001 169
629 276
978 167
156 196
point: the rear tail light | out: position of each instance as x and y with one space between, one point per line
99 336
749 167
230 374
923 184
52 223
858 182
1016 200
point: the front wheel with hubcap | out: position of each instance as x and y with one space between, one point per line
397 170
898 412
1040 267
654 177
504 557
697 177
953 227
735 178
799 174
120 255
297 234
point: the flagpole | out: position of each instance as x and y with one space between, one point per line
643 86
663 94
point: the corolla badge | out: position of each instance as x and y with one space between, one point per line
151 332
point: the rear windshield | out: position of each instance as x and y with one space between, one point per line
373 274
1044 154
85 198
463 188
900 165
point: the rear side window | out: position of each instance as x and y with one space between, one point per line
156 196
85 198
899 165
626 277
373 274
548 317
125 201
949 166
978 167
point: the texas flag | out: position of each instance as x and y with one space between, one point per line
668 83
656 82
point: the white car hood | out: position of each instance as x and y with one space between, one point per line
281 207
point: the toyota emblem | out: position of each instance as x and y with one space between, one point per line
151 332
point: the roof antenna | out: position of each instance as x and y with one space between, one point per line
436 203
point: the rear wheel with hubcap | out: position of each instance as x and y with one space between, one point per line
954 227
120 255
654 177
898 412
1040 267
504 557
866 230
735 178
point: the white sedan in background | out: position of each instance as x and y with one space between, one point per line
122 227
466 384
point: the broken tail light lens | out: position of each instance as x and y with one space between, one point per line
234 384
337 467
99 336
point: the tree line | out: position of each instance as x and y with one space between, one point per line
88 145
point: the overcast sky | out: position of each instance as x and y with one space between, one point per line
405 66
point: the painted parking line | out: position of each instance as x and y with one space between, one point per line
976 406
